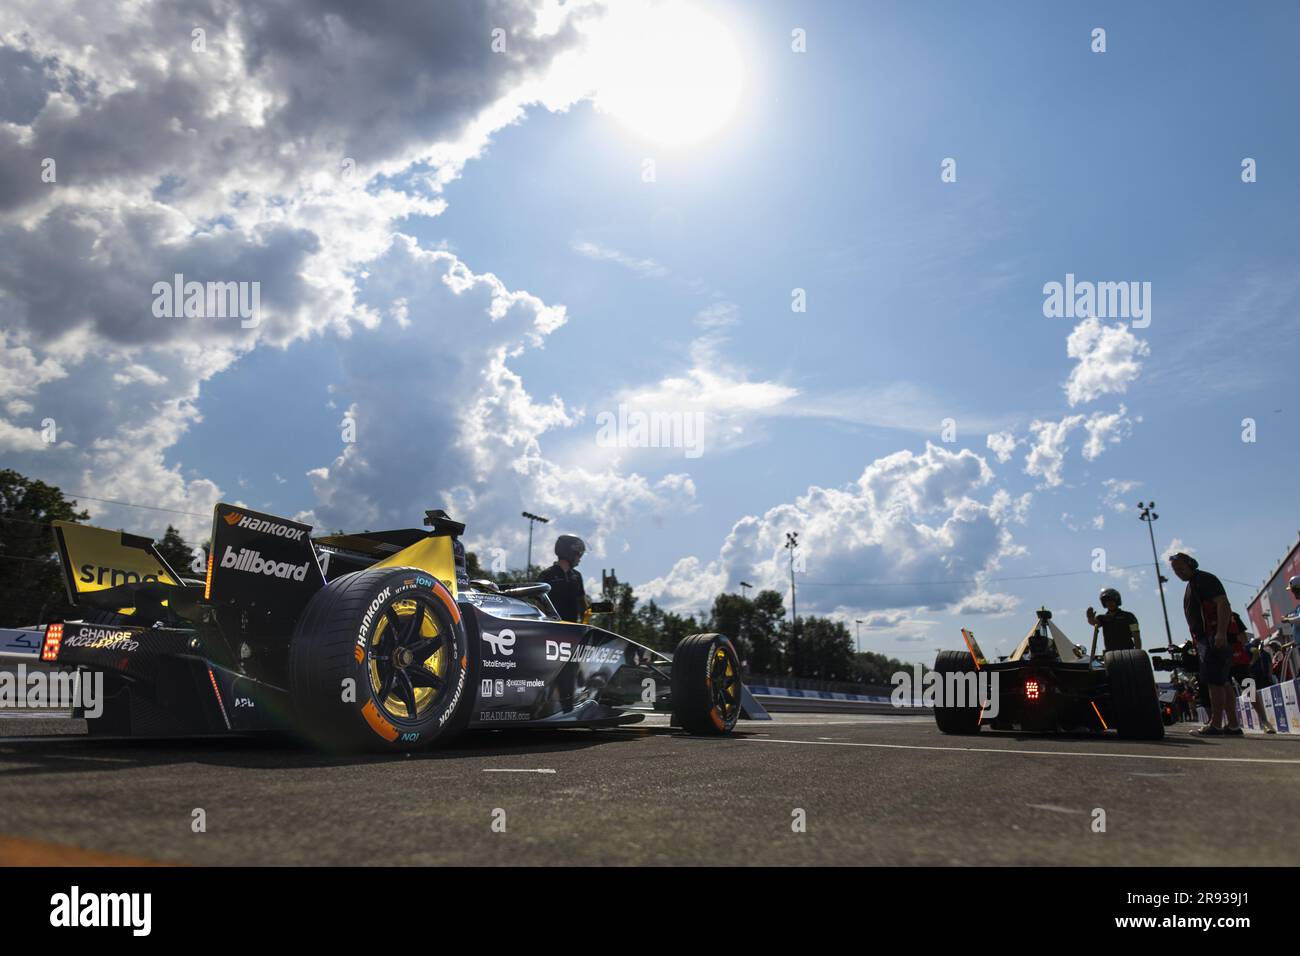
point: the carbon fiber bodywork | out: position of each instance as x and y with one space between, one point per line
215 660
1070 696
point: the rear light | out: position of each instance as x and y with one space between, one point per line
1033 690
53 641
207 583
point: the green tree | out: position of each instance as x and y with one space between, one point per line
178 554
473 570
756 626
32 590
825 649
873 668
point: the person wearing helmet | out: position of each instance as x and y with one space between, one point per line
567 593
1119 628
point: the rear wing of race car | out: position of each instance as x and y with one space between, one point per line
116 571
973 646
261 561
271 563
257 562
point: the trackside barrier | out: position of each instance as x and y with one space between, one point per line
761 691
794 699
1281 703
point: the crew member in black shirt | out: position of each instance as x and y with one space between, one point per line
1209 618
1119 628
567 593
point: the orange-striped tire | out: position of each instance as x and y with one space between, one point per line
379 661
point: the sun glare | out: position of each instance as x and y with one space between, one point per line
669 72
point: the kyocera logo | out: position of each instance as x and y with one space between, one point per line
502 644
235 519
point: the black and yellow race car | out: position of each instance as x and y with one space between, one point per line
354 641
1048 684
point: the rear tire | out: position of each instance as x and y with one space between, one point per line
956 720
706 685
397 635
1134 700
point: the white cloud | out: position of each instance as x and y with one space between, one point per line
1109 360
1003 445
1106 430
717 315
1176 545
476 445
992 603
1046 457
729 405
1049 446
14 438
1007 509
907 533
1116 488
642 267
261 159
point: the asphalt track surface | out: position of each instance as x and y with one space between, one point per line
874 790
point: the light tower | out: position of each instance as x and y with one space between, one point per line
532 519
1145 513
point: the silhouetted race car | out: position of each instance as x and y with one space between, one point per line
354 641
1050 684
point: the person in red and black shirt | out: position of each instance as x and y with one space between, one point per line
1209 618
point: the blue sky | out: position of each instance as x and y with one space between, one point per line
924 302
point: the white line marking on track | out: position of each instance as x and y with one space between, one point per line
85 757
1053 809
517 770
1036 753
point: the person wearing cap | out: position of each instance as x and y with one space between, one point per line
1294 587
567 592
1209 618
1119 628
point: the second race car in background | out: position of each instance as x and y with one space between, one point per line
1050 684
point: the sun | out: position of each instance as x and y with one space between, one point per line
668 72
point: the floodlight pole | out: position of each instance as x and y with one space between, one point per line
532 519
1146 514
792 542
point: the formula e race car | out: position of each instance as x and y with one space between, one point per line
353 641
1048 684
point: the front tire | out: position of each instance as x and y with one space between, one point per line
1134 700
379 661
706 685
